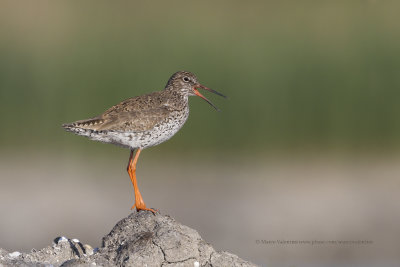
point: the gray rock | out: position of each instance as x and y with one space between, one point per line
141 239
3 253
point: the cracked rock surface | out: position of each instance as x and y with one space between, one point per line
141 239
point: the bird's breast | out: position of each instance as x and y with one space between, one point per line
166 129
161 132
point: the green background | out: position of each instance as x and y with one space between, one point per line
299 74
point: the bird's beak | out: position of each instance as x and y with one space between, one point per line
196 91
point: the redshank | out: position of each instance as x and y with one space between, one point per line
144 121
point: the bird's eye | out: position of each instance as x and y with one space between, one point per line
186 79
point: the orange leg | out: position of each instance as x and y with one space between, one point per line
139 203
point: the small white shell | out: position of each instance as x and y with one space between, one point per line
14 254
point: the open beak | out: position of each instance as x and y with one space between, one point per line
196 91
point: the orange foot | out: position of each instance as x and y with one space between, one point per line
139 208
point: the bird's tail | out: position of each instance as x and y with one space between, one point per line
89 124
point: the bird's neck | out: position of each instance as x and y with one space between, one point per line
177 99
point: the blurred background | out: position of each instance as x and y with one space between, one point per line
305 148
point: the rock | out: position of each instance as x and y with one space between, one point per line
140 239
62 250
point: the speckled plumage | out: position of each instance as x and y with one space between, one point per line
146 120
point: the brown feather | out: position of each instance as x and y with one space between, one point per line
134 114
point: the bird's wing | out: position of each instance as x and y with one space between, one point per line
133 121
134 115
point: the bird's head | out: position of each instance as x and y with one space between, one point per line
186 83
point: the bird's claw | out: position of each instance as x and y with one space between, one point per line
154 211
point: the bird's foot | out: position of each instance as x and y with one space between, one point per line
139 208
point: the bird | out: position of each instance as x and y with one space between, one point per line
144 121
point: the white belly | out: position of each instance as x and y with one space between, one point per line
160 133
